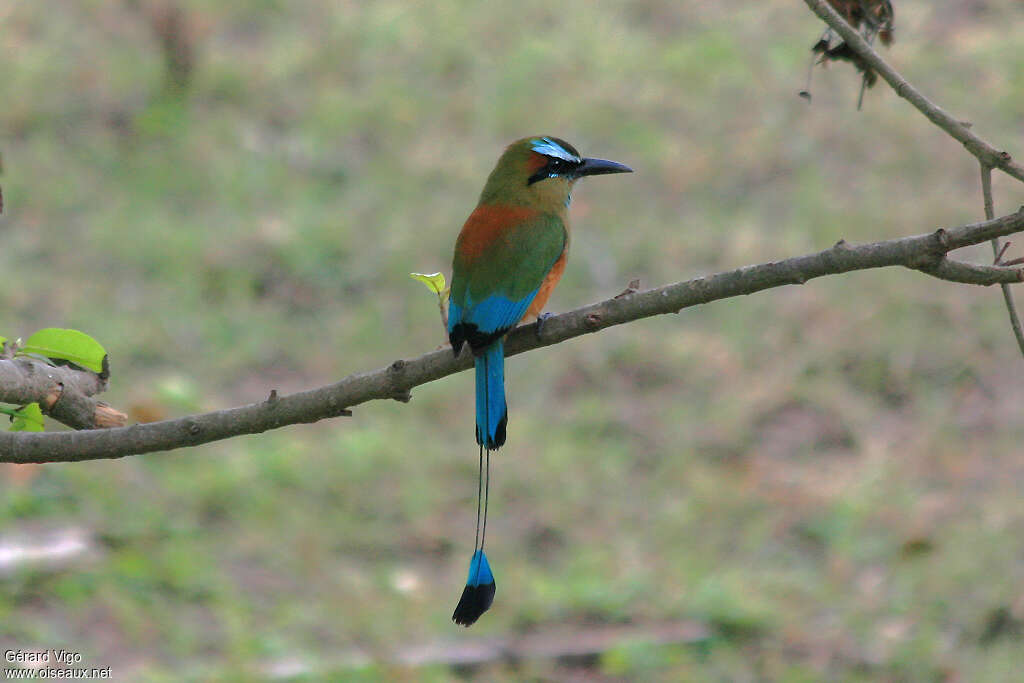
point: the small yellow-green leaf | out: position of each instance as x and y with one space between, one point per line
70 345
433 281
28 419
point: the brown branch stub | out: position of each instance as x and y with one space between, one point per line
107 417
632 288
398 378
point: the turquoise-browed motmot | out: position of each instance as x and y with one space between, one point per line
508 258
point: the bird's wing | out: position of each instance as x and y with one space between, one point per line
501 258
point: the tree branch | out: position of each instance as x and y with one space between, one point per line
997 252
926 253
63 393
985 153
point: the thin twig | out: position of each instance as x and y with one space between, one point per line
1011 308
986 153
998 260
925 253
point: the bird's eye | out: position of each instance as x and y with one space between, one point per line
556 165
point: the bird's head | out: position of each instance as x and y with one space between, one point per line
539 171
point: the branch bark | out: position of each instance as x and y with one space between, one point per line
985 153
926 253
65 394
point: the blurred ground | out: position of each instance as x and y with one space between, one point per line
817 482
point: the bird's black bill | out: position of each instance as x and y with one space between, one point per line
600 167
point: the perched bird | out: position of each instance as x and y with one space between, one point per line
508 258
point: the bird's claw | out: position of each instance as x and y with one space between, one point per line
541 319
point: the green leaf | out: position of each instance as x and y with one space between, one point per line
70 345
434 281
28 419
2 340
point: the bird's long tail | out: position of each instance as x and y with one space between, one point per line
491 418
491 411
478 594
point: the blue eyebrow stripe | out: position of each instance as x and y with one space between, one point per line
550 148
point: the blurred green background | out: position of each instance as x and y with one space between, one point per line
817 482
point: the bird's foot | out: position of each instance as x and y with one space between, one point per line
541 319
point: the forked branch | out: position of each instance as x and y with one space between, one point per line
988 156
